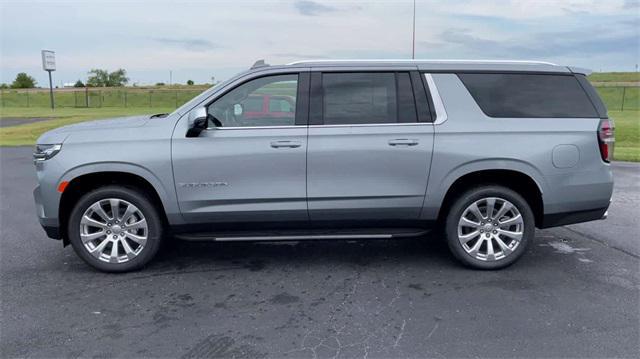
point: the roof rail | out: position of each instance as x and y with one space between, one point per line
259 63
425 60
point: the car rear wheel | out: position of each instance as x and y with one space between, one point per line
489 227
115 229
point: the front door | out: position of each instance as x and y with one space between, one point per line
369 156
250 165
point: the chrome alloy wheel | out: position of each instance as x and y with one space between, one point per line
113 230
490 229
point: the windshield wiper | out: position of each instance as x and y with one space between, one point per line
159 115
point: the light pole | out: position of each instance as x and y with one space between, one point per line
413 38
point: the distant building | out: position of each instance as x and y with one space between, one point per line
68 84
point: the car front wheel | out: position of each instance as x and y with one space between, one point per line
115 229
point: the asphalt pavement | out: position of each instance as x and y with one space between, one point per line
576 293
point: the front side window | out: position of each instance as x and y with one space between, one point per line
529 95
249 104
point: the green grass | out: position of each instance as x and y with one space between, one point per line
627 147
100 97
29 133
615 77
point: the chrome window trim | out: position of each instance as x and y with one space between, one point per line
374 124
441 112
253 127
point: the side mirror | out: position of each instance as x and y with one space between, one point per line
237 110
197 121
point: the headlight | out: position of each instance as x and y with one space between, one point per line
44 152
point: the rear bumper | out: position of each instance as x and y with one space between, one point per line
561 219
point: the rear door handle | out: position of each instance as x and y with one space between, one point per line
403 142
286 144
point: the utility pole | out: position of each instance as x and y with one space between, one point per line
170 77
413 39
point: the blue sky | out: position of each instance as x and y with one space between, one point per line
201 39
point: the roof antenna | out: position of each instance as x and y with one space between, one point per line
259 63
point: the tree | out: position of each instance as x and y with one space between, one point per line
102 78
23 81
78 84
118 78
4 86
160 83
190 82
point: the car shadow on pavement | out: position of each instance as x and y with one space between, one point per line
179 255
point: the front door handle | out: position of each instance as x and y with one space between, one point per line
403 142
286 144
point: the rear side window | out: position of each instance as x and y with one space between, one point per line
359 98
529 95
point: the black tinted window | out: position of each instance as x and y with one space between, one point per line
529 95
359 98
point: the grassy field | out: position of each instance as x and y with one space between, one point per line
614 77
627 146
29 133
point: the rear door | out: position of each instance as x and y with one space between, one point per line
369 146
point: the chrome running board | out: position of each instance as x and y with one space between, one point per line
298 237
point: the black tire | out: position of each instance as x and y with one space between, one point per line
134 196
466 199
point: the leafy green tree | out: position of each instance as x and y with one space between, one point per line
23 81
160 83
78 84
118 78
4 86
98 78
103 78
190 82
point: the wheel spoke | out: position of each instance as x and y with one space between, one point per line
506 206
127 249
87 221
476 211
97 208
131 209
138 239
490 253
503 246
97 251
90 237
467 237
476 247
464 221
115 208
511 221
140 224
114 252
490 205
514 235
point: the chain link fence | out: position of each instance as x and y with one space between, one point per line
617 98
96 98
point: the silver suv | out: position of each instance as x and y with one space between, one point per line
485 151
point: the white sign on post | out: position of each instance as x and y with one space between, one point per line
48 60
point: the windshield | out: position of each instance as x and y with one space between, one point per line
203 96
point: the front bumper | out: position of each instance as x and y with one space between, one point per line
50 225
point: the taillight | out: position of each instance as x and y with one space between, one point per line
606 138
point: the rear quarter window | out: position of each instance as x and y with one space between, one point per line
529 95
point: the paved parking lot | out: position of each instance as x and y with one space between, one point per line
575 294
